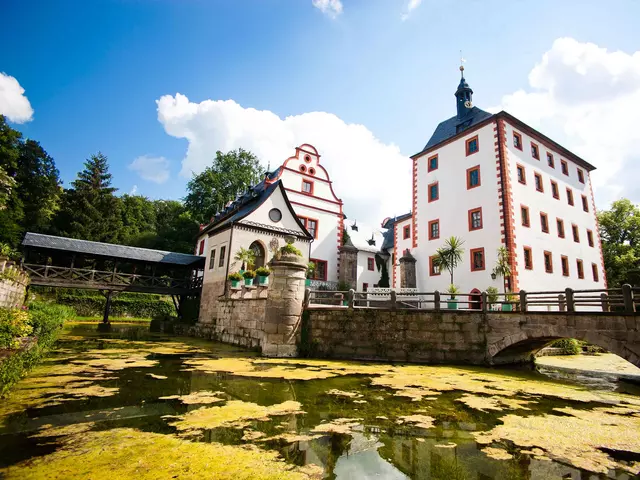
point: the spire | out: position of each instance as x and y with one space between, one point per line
463 94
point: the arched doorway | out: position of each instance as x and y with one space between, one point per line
259 253
475 299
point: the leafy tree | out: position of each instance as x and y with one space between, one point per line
230 174
90 210
138 218
503 268
6 185
620 234
449 256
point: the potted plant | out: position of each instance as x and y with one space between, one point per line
311 270
246 256
503 269
263 275
235 279
449 256
510 300
452 303
249 275
492 297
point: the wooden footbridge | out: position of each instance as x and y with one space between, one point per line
71 263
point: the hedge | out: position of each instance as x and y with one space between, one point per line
569 346
121 306
46 322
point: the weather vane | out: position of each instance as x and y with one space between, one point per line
462 60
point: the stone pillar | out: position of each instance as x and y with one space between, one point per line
349 265
408 270
283 313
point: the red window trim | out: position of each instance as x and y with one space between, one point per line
201 247
472 211
326 269
429 169
562 223
537 155
538 175
516 134
524 174
564 166
564 262
580 176
570 197
406 232
304 221
585 203
546 217
524 257
550 255
590 237
469 170
594 272
551 164
580 268
304 180
429 192
468 141
575 232
431 274
555 194
484 260
528 224
371 264
431 222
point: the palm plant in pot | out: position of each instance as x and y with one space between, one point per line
248 275
492 297
235 279
503 269
246 256
448 258
263 275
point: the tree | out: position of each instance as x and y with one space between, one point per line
230 174
620 235
138 218
89 210
7 183
246 256
449 256
503 268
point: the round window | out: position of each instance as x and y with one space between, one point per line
303 168
307 158
312 171
275 215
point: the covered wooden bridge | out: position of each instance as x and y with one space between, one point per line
71 263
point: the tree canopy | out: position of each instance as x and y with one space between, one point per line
620 234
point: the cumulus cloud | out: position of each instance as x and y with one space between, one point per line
411 6
587 98
371 177
153 169
331 8
13 103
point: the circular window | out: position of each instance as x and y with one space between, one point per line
312 171
275 215
307 158
303 168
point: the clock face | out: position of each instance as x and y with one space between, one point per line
468 104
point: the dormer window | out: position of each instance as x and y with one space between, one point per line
307 187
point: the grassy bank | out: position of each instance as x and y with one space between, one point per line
96 319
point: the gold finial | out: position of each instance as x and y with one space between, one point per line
462 60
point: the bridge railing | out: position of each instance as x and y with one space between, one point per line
618 300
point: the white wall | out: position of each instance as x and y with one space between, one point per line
216 242
364 275
537 279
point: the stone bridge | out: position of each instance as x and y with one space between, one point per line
460 337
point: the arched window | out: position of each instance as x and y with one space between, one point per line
259 252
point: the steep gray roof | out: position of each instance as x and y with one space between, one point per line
454 125
75 245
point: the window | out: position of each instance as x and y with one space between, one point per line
320 273
590 238
524 215
576 233
521 175
477 259
585 203
473 177
560 225
201 248
275 215
475 219
433 192
432 163
365 287
569 196
472 145
434 229
433 268
564 261
223 251
580 176
565 167
307 187
212 260
544 222
554 190
594 272
406 232
535 152
371 264
517 140
311 225
528 258
580 268
550 160
548 262
538 181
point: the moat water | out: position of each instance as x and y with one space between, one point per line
132 404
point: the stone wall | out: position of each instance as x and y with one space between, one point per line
13 285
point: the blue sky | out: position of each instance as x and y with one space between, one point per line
93 71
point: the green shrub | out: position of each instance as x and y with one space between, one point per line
569 346
263 272
289 249
14 324
235 276
249 274
125 306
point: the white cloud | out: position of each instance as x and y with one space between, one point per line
331 8
13 103
154 169
588 98
411 6
134 190
371 177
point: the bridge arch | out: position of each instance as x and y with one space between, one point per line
521 347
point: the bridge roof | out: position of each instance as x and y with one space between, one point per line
124 252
